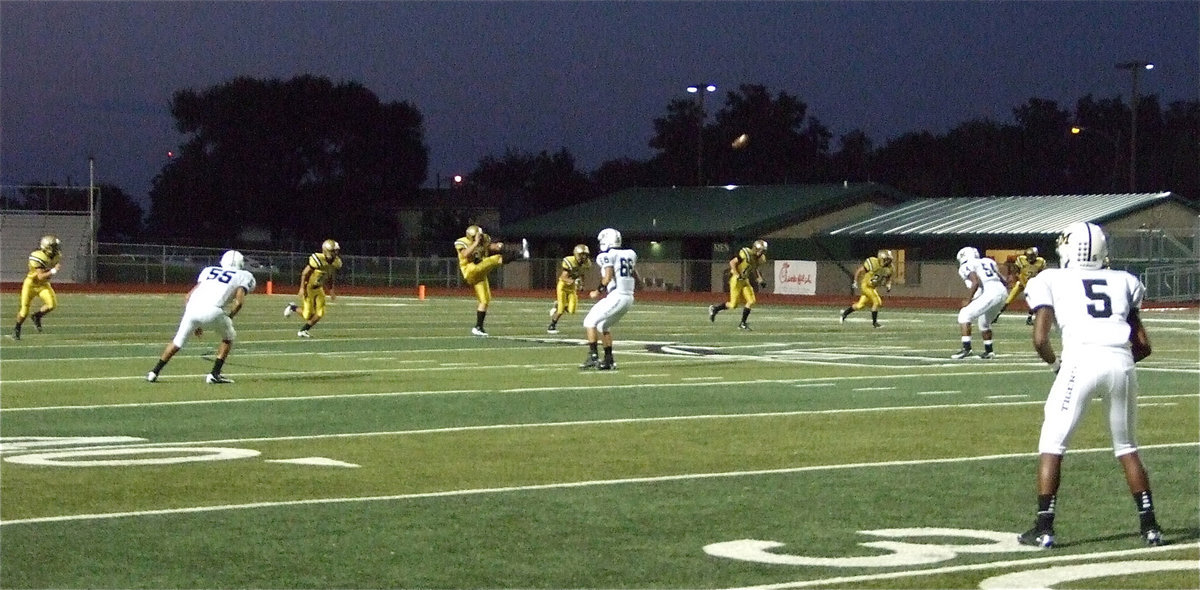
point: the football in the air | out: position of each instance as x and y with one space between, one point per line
740 141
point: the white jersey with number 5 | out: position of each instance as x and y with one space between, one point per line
1092 309
216 286
622 261
1091 306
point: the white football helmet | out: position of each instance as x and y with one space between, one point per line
967 253
233 260
609 238
1082 245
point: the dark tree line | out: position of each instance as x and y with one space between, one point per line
305 158
301 159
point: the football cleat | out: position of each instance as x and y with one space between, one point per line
17 332
476 331
1153 536
843 320
37 321
524 248
744 326
876 325
962 354
152 376
304 334
216 379
1037 538
1029 320
551 329
606 365
712 313
591 362
987 355
289 310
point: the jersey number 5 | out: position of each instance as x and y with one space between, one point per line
1101 305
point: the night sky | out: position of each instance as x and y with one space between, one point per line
96 78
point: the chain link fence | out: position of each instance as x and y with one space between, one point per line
164 264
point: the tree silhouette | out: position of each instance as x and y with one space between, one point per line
303 159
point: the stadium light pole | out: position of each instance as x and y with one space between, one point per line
1134 68
699 90
93 211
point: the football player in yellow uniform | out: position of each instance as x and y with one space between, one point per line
875 272
478 255
743 268
314 279
1028 265
44 263
570 278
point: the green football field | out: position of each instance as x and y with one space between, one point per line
394 450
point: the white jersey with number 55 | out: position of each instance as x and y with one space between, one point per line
1091 306
215 286
622 261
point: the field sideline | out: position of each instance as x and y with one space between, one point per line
395 450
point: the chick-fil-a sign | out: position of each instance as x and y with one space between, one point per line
796 277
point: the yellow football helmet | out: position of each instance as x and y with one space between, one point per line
331 249
582 252
50 244
759 246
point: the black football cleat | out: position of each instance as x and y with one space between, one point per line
1153 536
1034 537
961 354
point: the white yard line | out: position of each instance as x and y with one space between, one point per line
549 486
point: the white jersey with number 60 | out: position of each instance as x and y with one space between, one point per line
1091 306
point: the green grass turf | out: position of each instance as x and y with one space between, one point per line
498 463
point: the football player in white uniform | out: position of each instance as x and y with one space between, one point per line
1096 310
216 287
987 293
618 276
